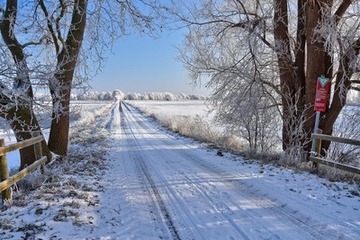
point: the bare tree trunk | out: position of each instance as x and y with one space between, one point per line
59 131
287 80
60 85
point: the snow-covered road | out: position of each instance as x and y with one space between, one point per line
162 186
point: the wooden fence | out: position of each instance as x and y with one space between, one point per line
7 181
315 157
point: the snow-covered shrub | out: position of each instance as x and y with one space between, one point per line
133 96
245 114
199 129
107 96
163 96
183 96
295 154
88 116
169 97
118 95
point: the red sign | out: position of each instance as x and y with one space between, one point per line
322 94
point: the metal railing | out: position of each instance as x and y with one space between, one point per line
316 157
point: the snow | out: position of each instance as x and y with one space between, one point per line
191 108
126 177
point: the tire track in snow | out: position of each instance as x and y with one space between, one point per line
107 119
200 188
129 173
179 202
192 230
155 194
171 195
259 200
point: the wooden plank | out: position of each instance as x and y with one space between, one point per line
38 151
4 174
337 165
20 145
18 176
336 139
37 147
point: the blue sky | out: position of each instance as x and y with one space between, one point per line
144 64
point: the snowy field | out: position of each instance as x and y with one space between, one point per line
127 177
193 119
177 114
176 109
81 113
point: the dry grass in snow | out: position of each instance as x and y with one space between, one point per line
46 205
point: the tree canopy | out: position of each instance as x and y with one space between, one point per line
268 54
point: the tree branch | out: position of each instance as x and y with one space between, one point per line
342 9
355 88
49 25
58 19
33 43
7 31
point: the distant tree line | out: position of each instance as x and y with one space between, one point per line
119 95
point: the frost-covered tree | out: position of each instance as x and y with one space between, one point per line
16 90
118 95
51 44
273 50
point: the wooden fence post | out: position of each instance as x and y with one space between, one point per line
38 150
4 173
317 148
